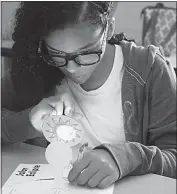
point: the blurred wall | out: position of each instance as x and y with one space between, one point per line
127 17
7 14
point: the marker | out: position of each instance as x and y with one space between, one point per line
49 179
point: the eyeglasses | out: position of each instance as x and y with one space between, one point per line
84 58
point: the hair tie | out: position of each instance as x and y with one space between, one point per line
117 38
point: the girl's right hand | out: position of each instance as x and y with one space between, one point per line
55 105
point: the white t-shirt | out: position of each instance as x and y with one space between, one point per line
101 108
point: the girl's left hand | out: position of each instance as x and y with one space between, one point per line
96 169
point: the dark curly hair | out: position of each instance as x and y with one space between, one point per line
31 76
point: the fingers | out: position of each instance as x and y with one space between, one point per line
46 111
95 169
68 105
106 182
69 108
59 107
56 104
78 167
96 179
63 105
87 174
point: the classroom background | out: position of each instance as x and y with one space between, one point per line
128 20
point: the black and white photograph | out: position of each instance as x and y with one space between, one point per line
88 97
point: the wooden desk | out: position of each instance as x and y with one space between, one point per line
13 155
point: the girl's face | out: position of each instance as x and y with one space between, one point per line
75 40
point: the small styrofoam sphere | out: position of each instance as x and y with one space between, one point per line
58 153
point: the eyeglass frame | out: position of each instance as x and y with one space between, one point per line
72 57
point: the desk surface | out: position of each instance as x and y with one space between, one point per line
13 155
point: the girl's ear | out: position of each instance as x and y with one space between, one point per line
111 28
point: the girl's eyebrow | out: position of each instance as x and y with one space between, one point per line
78 50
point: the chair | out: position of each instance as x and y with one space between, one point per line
159 29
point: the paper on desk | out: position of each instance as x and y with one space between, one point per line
28 172
20 182
49 187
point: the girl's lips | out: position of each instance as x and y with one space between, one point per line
74 75
77 79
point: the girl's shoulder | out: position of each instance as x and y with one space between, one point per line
139 59
144 61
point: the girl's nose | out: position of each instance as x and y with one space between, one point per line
72 66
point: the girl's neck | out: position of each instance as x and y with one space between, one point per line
103 70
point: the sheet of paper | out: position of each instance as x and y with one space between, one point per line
28 178
25 173
48 187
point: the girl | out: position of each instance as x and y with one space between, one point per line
68 61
